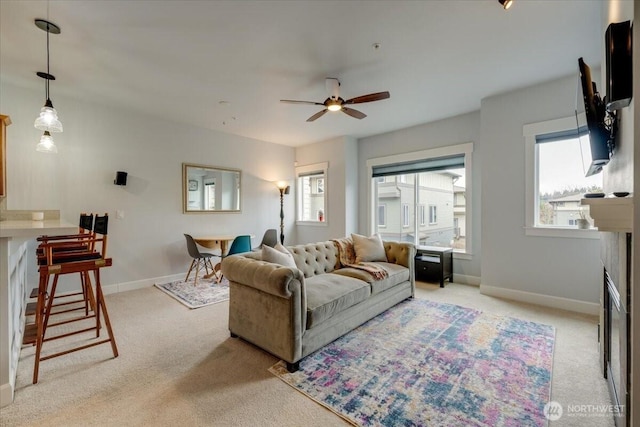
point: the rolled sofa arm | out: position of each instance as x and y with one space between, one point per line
401 253
271 278
267 305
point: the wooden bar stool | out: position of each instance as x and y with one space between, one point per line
59 262
70 303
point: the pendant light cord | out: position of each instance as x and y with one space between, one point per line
48 72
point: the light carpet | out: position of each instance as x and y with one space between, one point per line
205 292
428 363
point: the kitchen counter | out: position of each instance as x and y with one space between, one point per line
14 237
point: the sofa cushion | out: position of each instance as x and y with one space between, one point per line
368 248
329 294
278 255
397 274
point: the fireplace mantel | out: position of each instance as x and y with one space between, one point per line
613 214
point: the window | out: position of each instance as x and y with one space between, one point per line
405 215
311 193
210 195
558 156
382 215
433 209
419 191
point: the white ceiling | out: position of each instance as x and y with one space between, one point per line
179 59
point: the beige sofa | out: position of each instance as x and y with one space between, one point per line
292 312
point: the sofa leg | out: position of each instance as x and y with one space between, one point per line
293 367
233 335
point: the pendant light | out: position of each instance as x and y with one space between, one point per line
47 121
506 3
46 144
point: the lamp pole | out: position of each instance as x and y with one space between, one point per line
284 189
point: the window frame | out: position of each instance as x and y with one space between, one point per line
384 215
530 132
433 214
405 214
422 215
465 149
306 170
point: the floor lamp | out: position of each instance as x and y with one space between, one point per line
284 189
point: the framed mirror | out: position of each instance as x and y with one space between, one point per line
210 189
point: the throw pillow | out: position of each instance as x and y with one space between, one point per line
368 248
278 255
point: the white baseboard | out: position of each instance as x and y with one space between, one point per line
466 280
544 300
140 284
6 394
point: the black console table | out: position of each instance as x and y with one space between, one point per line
434 264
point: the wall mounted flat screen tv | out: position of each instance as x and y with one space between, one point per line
595 110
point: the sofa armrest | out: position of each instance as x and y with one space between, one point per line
401 253
267 305
267 277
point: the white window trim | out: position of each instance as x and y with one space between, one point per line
451 150
530 131
316 167
422 213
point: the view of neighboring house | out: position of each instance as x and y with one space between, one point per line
436 210
566 211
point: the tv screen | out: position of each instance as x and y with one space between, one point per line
594 110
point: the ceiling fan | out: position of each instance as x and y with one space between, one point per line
335 103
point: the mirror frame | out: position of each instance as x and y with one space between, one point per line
185 189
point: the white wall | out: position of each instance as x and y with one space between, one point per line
560 267
442 133
341 188
98 141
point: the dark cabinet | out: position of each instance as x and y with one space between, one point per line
434 264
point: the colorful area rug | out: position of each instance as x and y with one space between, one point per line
206 292
423 363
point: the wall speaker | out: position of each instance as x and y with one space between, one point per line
618 45
121 178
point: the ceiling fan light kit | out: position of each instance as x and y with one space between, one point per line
336 103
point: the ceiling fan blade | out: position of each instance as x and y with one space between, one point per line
354 113
368 98
317 115
291 101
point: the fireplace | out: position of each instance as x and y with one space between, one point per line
614 218
616 339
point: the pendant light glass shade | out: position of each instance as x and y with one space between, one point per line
46 144
48 119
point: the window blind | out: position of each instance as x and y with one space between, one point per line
559 136
417 166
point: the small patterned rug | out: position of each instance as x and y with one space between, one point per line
206 292
423 363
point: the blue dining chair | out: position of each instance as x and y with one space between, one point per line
240 245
